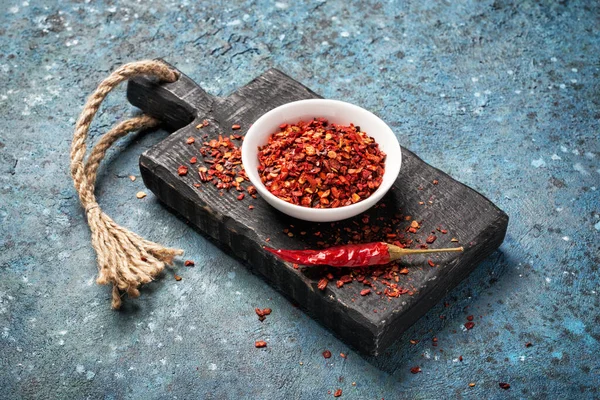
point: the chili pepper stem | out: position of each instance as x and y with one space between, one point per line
397 252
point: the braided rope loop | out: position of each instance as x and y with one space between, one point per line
125 259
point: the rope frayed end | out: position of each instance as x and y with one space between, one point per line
125 259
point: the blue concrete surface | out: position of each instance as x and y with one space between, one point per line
502 95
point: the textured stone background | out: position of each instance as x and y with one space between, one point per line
503 96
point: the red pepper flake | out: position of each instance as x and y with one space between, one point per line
260 343
343 355
415 370
267 239
144 259
414 341
337 393
327 354
193 160
469 318
296 266
431 263
365 292
444 231
322 284
182 170
469 325
320 165
528 344
190 140
267 311
460 358
235 127
177 277
241 196
403 271
435 182
504 385
250 207
431 239
189 263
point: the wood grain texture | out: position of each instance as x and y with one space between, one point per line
469 216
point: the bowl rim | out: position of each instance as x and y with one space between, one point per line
349 209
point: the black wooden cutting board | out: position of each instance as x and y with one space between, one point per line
369 323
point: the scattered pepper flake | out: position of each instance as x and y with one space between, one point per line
343 355
202 124
415 370
327 354
431 263
190 140
455 240
435 182
260 344
322 284
189 263
235 127
177 277
241 196
250 207
469 325
182 170
193 160
504 385
460 358
337 393
365 292
469 318
414 341
403 271
528 344
430 239
140 195
472 384
132 178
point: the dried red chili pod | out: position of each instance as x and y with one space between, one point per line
355 255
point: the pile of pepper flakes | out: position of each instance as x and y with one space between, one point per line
224 160
321 165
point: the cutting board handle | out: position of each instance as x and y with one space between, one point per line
176 104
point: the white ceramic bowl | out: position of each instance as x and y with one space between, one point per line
337 112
